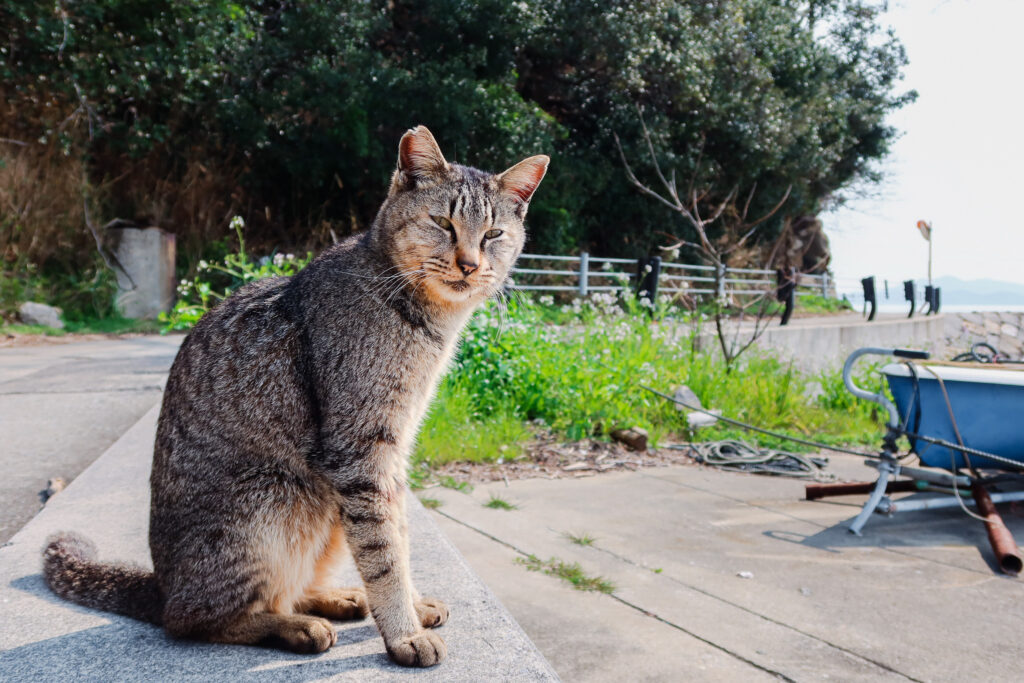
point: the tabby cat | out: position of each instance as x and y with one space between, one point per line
288 418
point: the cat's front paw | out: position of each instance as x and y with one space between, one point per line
424 648
431 612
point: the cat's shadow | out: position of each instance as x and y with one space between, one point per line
125 649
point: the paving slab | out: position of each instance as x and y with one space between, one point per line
915 598
46 638
62 405
588 637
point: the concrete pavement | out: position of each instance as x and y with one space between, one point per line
916 598
62 405
45 638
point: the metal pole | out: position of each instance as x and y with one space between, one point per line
930 235
720 271
584 269
824 284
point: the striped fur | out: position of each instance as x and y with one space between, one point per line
288 418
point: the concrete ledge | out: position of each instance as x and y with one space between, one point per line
826 343
46 638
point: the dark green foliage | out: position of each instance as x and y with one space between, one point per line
292 110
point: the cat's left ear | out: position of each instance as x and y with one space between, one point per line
522 180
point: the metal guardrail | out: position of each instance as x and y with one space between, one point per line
668 277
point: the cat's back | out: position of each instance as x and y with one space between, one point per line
235 377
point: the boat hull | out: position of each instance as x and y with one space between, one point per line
988 405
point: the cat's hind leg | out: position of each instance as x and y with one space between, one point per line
341 604
323 599
300 633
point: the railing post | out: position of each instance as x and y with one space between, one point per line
910 295
720 271
648 270
785 291
870 298
655 264
824 284
584 270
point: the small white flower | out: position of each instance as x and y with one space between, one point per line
289 257
606 265
184 282
237 223
203 265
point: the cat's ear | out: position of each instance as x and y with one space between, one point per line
419 157
521 180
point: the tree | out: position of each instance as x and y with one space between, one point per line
736 230
287 112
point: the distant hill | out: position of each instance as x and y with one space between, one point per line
957 292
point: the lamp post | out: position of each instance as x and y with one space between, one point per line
926 231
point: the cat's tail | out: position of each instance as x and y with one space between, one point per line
72 572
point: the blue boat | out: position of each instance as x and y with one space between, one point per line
943 408
986 402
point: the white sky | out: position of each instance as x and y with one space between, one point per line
958 162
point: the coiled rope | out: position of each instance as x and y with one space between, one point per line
739 456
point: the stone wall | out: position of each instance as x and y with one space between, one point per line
1004 331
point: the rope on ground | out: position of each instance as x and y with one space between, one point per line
740 456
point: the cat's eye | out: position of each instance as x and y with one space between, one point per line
444 223
492 234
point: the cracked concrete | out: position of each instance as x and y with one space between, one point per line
903 602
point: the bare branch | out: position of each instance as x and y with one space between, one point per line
99 245
643 188
746 205
778 206
654 157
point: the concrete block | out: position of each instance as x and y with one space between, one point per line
46 638
146 284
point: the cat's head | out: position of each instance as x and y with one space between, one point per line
453 231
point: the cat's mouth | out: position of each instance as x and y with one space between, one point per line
457 285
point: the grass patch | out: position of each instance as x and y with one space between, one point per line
570 572
519 370
460 486
114 326
430 503
111 325
581 539
498 503
19 328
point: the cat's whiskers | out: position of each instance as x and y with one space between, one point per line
406 280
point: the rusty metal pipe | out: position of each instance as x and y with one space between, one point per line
1003 545
815 491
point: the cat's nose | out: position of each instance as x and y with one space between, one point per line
467 266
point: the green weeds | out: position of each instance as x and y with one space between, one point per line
430 503
515 369
497 503
581 539
216 281
572 573
460 486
